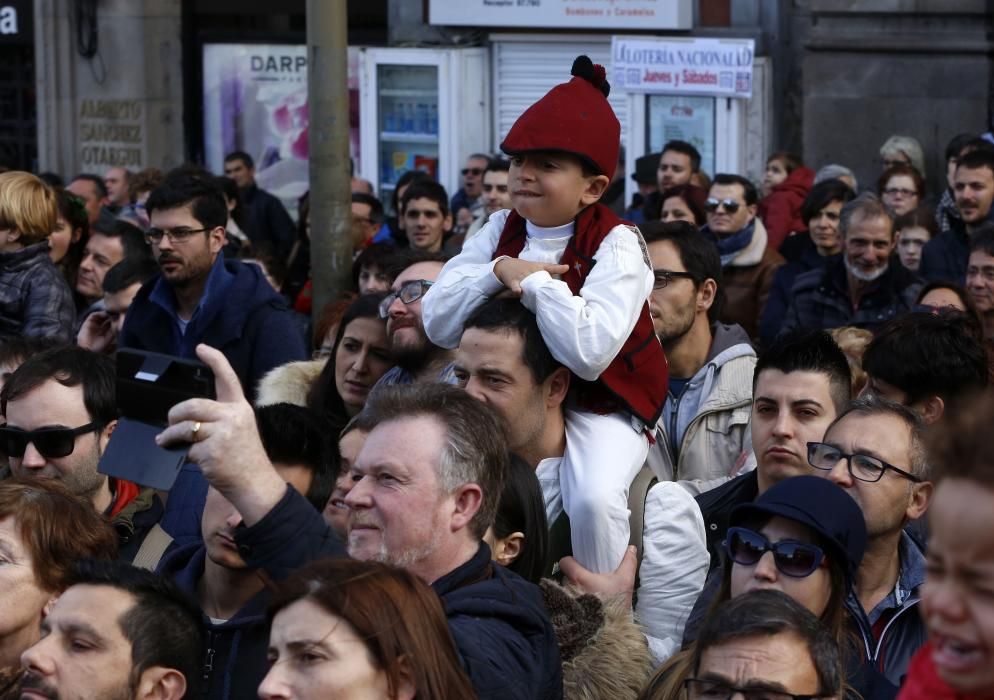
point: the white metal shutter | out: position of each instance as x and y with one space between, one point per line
524 70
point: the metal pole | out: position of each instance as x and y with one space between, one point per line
328 150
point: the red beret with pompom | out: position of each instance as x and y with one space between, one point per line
574 117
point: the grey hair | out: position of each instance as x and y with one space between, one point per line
907 146
866 206
874 405
834 171
475 448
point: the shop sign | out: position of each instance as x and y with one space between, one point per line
678 66
563 14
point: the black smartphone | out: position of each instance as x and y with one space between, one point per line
148 385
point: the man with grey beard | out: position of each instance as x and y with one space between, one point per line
863 288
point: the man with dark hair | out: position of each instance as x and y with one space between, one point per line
677 164
199 296
116 632
232 596
427 218
468 195
92 190
765 641
60 410
503 362
425 489
367 217
748 264
863 288
945 256
269 227
100 329
496 195
801 382
418 359
116 181
931 363
704 432
980 278
875 450
103 250
945 210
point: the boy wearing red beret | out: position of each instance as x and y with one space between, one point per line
586 276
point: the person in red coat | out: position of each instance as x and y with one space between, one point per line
785 185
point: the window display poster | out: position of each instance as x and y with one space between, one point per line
689 119
255 100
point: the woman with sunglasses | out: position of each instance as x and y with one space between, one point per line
358 357
805 537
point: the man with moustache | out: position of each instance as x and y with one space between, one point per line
199 297
418 359
861 289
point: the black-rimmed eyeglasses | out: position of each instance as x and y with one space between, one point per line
702 689
861 467
662 278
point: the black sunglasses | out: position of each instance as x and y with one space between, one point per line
712 204
52 443
475 171
795 559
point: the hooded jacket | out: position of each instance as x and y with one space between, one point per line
240 314
747 279
821 299
780 210
234 651
502 630
710 419
35 300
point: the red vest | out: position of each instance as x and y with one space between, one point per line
636 379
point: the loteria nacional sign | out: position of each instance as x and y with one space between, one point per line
678 66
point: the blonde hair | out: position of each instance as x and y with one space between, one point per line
853 342
28 206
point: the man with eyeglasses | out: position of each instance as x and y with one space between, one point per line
199 297
875 451
748 264
468 195
704 435
60 410
418 359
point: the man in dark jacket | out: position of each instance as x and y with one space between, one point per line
945 256
232 596
71 388
270 227
863 288
201 297
426 485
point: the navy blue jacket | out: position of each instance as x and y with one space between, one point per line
235 661
498 620
820 299
241 315
783 281
502 630
945 257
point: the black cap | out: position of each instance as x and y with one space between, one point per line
645 169
821 505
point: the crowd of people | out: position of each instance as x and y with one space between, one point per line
725 440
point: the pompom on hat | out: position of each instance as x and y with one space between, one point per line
573 117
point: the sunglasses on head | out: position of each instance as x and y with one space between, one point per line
729 205
52 443
796 559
